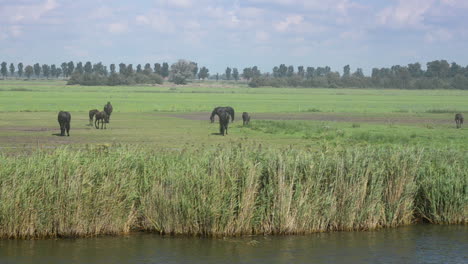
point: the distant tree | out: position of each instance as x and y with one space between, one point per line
256 72
235 74
282 71
455 69
139 69
228 73
37 70
217 76
415 70
147 69
58 72
346 71
129 71
112 68
64 67
195 68
12 69
20 69
158 69
276 73
358 73
165 70
46 70
181 71
310 72
53 70
99 68
71 67
122 68
88 67
300 71
203 74
290 71
247 73
438 68
28 71
4 69
79 68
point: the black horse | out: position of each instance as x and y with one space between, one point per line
64 119
245 118
108 109
103 117
459 120
91 115
220 109
223 122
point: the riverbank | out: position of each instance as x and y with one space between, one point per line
230 190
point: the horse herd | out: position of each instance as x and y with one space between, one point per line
103 117
224 113
64 118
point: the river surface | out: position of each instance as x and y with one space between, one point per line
413 244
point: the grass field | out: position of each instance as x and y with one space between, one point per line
176 116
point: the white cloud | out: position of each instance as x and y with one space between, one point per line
117 28
102 12
157 20
456 3
291 20
24 13
407 13
176 3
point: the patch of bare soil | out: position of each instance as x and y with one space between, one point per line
324 117
32 129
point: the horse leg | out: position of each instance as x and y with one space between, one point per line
62 129
68 128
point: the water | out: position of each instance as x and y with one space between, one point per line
414 244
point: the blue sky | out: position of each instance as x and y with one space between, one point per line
217 34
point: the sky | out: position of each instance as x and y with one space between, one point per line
217 34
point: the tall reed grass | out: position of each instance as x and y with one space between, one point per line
228 191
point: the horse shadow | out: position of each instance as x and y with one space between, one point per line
216 134
56 134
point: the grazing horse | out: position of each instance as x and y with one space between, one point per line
245 118
103 117
108 109
223 122
64 119
218 110
459 120
91 115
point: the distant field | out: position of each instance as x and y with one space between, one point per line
177 116
55 95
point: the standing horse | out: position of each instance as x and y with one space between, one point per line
108 109
459 120
245 118
64 119
223 122
103 117
220 109
91 115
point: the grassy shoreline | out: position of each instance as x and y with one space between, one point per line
230 190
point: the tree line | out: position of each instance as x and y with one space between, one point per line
438 74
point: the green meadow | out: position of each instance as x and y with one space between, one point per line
174 116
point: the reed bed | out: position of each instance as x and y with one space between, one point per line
230 190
